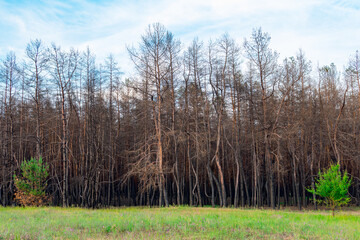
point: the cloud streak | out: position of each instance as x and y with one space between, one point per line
326 30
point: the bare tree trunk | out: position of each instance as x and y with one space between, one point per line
64 151
217 161
296 181
311 169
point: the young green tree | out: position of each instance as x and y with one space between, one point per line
32 184
333 187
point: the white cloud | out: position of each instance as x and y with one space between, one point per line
325 30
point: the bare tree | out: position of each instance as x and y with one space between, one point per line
35 72
64 66
9 75
265 61
152 59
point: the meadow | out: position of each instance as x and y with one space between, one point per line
176 223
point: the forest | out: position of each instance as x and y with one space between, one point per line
218 122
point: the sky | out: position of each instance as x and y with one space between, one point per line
326 30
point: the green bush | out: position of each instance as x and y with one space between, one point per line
332 187
31 184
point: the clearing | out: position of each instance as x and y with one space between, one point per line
176 223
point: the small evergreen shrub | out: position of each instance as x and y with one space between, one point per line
332 187
31 184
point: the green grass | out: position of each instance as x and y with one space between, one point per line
175 223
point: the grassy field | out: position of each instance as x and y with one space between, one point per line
175 223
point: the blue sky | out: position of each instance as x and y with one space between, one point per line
327 30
